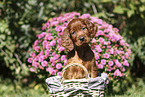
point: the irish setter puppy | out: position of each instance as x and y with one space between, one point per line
75 39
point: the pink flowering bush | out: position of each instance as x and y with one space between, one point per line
111 51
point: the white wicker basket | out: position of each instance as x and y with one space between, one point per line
88 87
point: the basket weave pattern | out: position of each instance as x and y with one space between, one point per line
86 87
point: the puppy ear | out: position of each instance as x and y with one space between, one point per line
91 27
66 41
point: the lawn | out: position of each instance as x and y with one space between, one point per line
8 89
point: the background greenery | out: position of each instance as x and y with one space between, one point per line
21 20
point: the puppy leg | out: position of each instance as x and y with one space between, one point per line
91 67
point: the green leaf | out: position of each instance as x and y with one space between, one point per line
2 37
119 10
130 13
104 1
142 8
132 6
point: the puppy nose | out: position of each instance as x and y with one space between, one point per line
82 38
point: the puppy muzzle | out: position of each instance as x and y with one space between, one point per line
82 38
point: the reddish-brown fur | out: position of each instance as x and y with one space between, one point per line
75 39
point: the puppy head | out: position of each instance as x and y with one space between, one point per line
78 32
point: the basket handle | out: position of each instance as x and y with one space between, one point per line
74 64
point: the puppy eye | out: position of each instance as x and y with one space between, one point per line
83 28
73 32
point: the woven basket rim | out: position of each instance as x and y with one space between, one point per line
78 80
74 64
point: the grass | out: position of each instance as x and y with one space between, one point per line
137 89
9 89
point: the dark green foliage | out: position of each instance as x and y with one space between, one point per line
21 20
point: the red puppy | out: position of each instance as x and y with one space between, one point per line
75 39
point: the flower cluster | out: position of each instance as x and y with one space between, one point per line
111 51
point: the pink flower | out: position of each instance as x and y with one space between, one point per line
47 52
123 69
96 56
110 63
53 72
56 57
108 47
52 43
63 57
60 34
41 53
54 23
96 62
117 72
59 41
85 16
63 20
58 28
108 42
106 30
118 63
65 62
33 55
30 60
97 46
129 51
32 69
44 43
94 40
125 63
61 49
65 24
101 39
94 19
103 61
37 48
99 50
35 64
44 63
47 36
36 43
41 35
58 65
58 60
45 26
100 66
107 82
58 73
41 58
48 30
106 55
127 44
53 53
49 69
36 58
99 21
52 59
116 30
126 55
47 46
53 64
123 57
111 51
122 42
50 37
100 32
108 69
